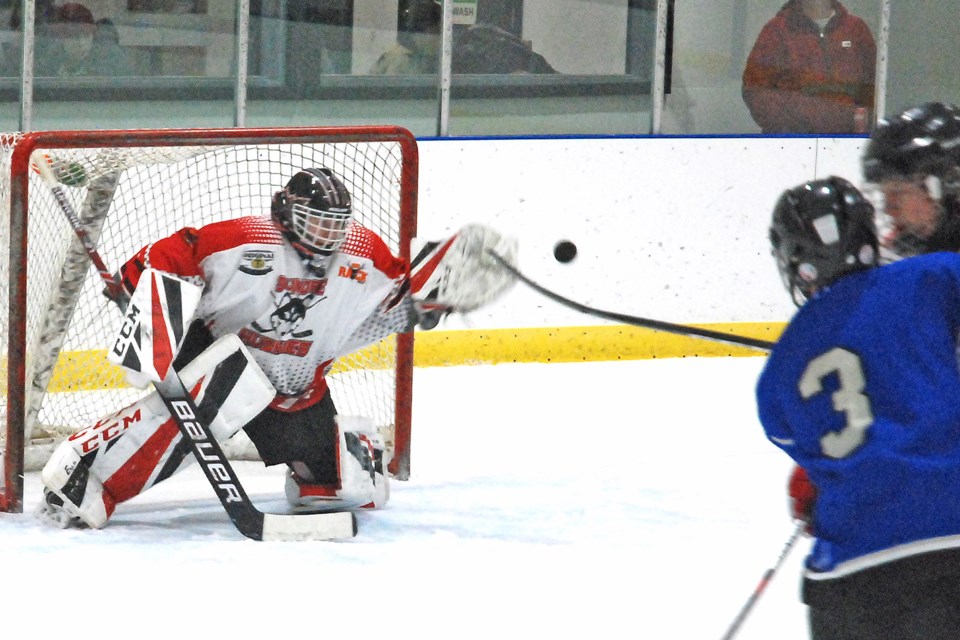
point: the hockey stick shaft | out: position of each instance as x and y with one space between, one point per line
43 167
647 323
764 581
209 454
248 520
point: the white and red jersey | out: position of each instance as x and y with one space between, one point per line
294 322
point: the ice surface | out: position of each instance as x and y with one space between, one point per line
600 500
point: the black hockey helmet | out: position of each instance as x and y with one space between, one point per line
920 141
822 230
314 209
921 144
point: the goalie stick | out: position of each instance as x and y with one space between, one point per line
647 323
244 515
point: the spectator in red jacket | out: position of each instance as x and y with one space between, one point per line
812 70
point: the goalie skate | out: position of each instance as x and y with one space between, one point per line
362 481
72 495
55 512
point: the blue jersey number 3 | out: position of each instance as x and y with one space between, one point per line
849 399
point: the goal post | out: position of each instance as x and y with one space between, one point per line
132 187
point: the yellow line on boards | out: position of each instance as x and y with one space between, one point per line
580 344
89 370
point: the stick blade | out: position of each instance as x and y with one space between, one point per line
340 525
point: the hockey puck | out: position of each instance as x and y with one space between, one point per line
564 251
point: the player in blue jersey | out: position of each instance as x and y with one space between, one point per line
863 392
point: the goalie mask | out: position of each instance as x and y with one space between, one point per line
315 210
822 230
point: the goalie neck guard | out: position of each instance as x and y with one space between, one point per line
314 209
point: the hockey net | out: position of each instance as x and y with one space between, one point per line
130 188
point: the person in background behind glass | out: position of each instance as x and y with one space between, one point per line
812 70
418 42
487 48
81 52
44 13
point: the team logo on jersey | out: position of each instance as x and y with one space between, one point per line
287 317
354 272
254 340
312 287
257 262
293 298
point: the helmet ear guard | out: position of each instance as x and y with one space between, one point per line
279 204
934 187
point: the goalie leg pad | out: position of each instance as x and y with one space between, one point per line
128 452
114 448
363 483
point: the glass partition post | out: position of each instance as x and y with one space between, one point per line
28 11
446 52
659 69
240 63
883 51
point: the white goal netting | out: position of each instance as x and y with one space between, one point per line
131 194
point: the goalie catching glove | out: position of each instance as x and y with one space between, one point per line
459 274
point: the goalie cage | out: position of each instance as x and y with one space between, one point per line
133 187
